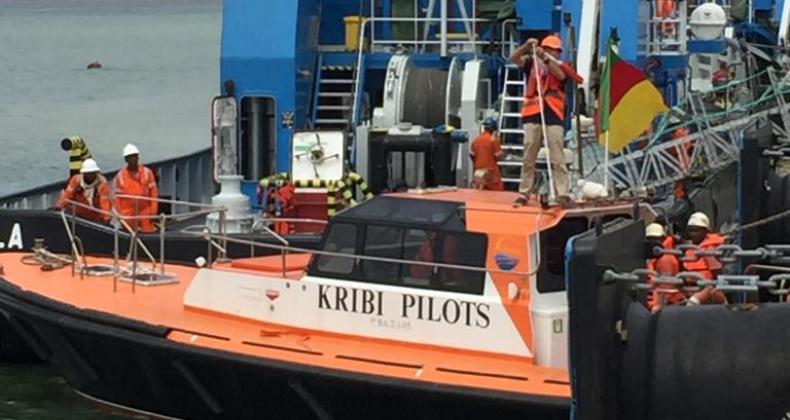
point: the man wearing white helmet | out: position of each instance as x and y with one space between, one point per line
136 180
90 189
698 232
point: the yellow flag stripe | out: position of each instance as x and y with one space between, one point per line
633 114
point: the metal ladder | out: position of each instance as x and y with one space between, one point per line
335 98
511 134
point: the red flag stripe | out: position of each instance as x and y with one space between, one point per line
624 77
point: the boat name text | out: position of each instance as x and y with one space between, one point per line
418 307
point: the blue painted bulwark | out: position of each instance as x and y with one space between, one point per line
536 15
623 15
269 48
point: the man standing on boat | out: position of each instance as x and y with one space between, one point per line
485 153
90 190
136 180
546 81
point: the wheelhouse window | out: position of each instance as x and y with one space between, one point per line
405 244
342 238
386 242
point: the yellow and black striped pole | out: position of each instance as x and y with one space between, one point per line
78 152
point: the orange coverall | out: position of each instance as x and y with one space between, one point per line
75 191
142 184
485 151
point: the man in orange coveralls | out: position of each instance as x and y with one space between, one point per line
90 188
485 153
699 233
137 180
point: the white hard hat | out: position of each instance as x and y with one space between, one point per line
654 230
130 149
89 165
699 219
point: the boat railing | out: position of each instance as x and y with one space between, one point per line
284 250
130 224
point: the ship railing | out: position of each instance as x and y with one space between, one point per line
284 250
507 42
422 44
130 224
186 177
663 34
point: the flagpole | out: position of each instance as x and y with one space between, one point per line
606 162
552 193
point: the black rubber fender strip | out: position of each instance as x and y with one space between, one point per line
91 315
82 363
319 411
26 333
198 387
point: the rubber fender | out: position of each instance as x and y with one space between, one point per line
709 362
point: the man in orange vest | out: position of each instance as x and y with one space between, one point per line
656 237
699 233
136 180
664 265
546 75
89 188
485 152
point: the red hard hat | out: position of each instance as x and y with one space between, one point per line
552 42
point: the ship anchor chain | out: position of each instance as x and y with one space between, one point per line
691 281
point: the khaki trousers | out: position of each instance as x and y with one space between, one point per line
532 144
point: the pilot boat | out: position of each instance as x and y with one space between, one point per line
440 304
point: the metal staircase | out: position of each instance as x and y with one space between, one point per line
511 134
335 98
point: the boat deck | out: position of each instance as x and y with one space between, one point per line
162 305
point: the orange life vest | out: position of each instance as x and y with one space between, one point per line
552 89
707 266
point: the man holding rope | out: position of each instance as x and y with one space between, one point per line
545 85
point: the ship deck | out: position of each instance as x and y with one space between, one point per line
162 306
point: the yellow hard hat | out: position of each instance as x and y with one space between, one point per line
552 42
654 230
699 219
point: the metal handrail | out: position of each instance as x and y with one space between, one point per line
113 213
167 201
370 20
292 220
136 241
369 257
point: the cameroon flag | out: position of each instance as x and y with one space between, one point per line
627 102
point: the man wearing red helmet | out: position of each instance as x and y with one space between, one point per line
547 75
